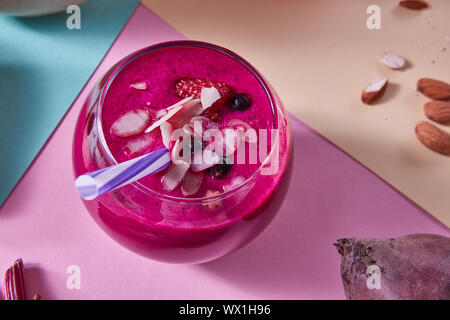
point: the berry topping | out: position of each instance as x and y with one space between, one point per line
220 170
193 87
240 102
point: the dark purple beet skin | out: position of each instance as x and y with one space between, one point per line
412 267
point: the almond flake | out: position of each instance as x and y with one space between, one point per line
236 181
173 176
171 111
139 144
131 123
208 96
166 132
139 85
392 60
191 183
374 90
190 109
205 160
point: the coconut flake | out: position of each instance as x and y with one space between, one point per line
171 111
131 123
236 181
190 109
139 85
208 96
191 183
166 132
392 60
173 175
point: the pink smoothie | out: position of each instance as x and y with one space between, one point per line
167 225
161 70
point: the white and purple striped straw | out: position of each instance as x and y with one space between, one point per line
93 184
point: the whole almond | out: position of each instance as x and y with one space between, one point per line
374 90
433 138
414 4
438 111
434 89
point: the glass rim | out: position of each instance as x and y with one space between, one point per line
114 71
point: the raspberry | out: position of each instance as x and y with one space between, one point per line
192 87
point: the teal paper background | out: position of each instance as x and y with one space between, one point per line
43 67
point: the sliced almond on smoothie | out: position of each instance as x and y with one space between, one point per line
178 147
131 123
171 111
140 144
203 160
208 96
139 85
166 132
190 109
173 176
232 139
236 181
191 183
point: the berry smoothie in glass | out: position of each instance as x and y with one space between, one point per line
229 142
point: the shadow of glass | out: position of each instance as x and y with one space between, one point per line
331 196
278 264
47 24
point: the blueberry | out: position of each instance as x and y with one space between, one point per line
240 102
220 170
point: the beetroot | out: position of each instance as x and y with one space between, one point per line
415 266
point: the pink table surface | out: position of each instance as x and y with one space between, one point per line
331 196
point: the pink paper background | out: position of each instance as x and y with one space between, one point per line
331 196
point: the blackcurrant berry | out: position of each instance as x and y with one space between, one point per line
220 170
240 102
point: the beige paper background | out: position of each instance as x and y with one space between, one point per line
318 54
